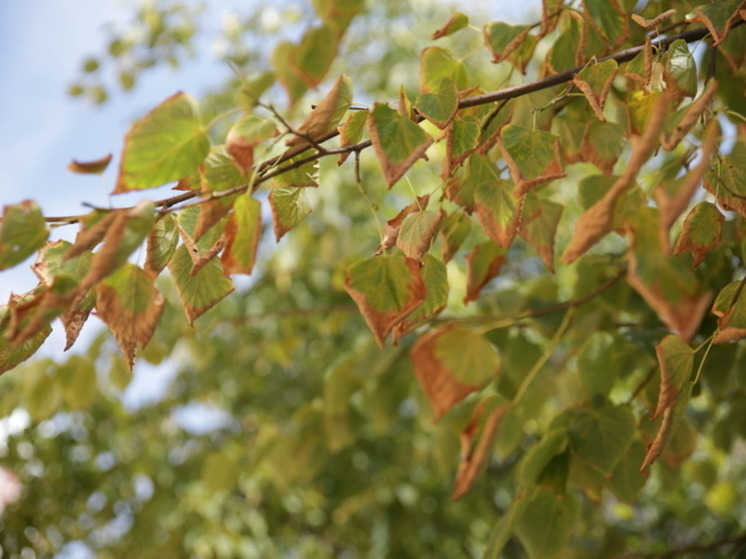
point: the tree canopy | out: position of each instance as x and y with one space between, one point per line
494 300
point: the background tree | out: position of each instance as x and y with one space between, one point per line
528 311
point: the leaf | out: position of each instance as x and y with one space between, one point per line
161 244
243 232
386 289
537 460
351 132
131 306
437 63
289 207
680 72
286 75
327 114
627 481
22 231
600 434
450 363
250 131
477 439
165 145
690 115
338 13
218 173
603 143
12 355
494 200
483 263
253 88
435 278
726 179
417 232
595 82
543 521
510 42
462 138
719 18
398 141
312 58
77 377
599 363
456 22
702 230
90 167
730 307
609 19
676 360
199 292
453 231
539 227
306 174
567 50
532 156
94 227
439 108
393 226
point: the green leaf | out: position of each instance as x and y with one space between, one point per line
398 141
417 232
539 227
532 156
543 521
681 70
439 107
311 59
483 263
730 306
437 63
22 231
281 60
11 355
77 377
338 13
603 144
609 19
510 42
289 206
719 17
595 82
453 231
599 363
494 202
253 88
165 145
599 433
386 289
627 481
435 278
726 179
244 231
536 460
564 52
462 137
250 131
450 363
351 132
161 244
200 292
456 22
306 174
701 233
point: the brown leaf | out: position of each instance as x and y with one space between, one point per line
694 111
718 35
91 235
474 456
650 23
90 167
655 449
393 225
483 264
327 114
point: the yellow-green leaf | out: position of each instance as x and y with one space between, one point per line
595 82
289 207
244 231
532 156
439 107
702 230
22 231
437 63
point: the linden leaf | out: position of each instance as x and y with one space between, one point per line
730 307
482 264
453 231
351 132
726 179
313 56
11 355
477 439
327 114
289 207
253 88
338 13
22 231
602 145
510 42
286 75
680 72
462 138
131 306
543 522
719 17
161 244
450 363
595 82
398 141
90 167
437 63
532 156
386 289
609 19
244 136
217 174
243 232
165 145
417 232
439 107
494 201
435 278
455 22
393 226
702 230
539 227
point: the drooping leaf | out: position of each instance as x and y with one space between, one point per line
462 138
198 292
627 480
243 231
532 156
595 82
161 244
327 114
11 354
599 362
288 78
22 231
536 461
450 363
289 207
90 167
244 136
566 52
494 200
676 360
687 117
510 42
726 179
719 17
393 226
702 230
456 22
131 306
417 232
539 227
477 439
253 88
730 307
680 71
165 145
439 107
603 144
543 521
338 13
305 174
218 174
398 141
435 278
312 58
609 19
386 288
437 63
351 132
453 231
483 263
